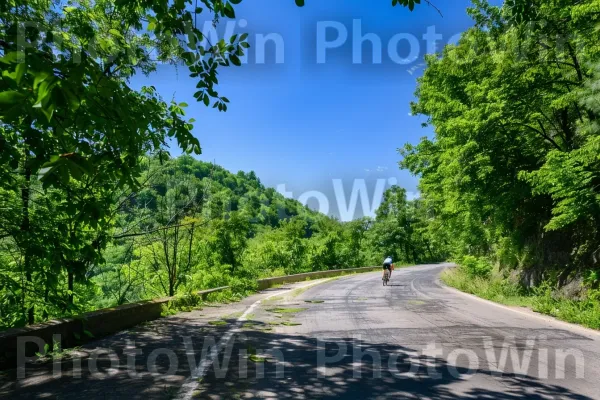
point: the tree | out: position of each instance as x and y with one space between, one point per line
512 168
401 230
410 4
75 136
229 241
71 122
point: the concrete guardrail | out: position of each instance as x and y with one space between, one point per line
100 323
270 282
73 331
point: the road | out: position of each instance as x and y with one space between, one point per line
418 340
352 338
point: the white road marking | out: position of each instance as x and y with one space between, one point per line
417 291
187 389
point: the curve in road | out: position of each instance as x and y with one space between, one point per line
412 339
348 338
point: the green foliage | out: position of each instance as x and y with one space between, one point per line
495 288
73 133
217 323
476 267
286 310
191 226
584 311
406 3
93 212
187 302
542 299
512 173
403 230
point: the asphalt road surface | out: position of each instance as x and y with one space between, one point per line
349 338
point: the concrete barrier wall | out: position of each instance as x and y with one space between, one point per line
74 331
270 282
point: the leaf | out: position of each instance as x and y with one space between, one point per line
10 97
39 78
48 111
115 32
300 3
228 11
20 71
235 60
12 57
44 91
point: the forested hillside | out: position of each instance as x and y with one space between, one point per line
190 225
512 175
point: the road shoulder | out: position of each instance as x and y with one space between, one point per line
581 330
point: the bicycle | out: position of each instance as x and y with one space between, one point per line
386 277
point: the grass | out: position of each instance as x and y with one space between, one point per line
542 299
257 359
217 323
252 356
290 323
272 300
55 353
235 315
314 301
281 310
294 293
299 291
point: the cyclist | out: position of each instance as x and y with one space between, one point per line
387 265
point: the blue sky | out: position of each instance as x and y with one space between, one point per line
302 124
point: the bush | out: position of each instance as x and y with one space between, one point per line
243 286
186 303
476 267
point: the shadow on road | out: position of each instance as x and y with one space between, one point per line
355 369
263 364
105 376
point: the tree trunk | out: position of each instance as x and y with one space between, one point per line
46 294
70 283
430 252
26 236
